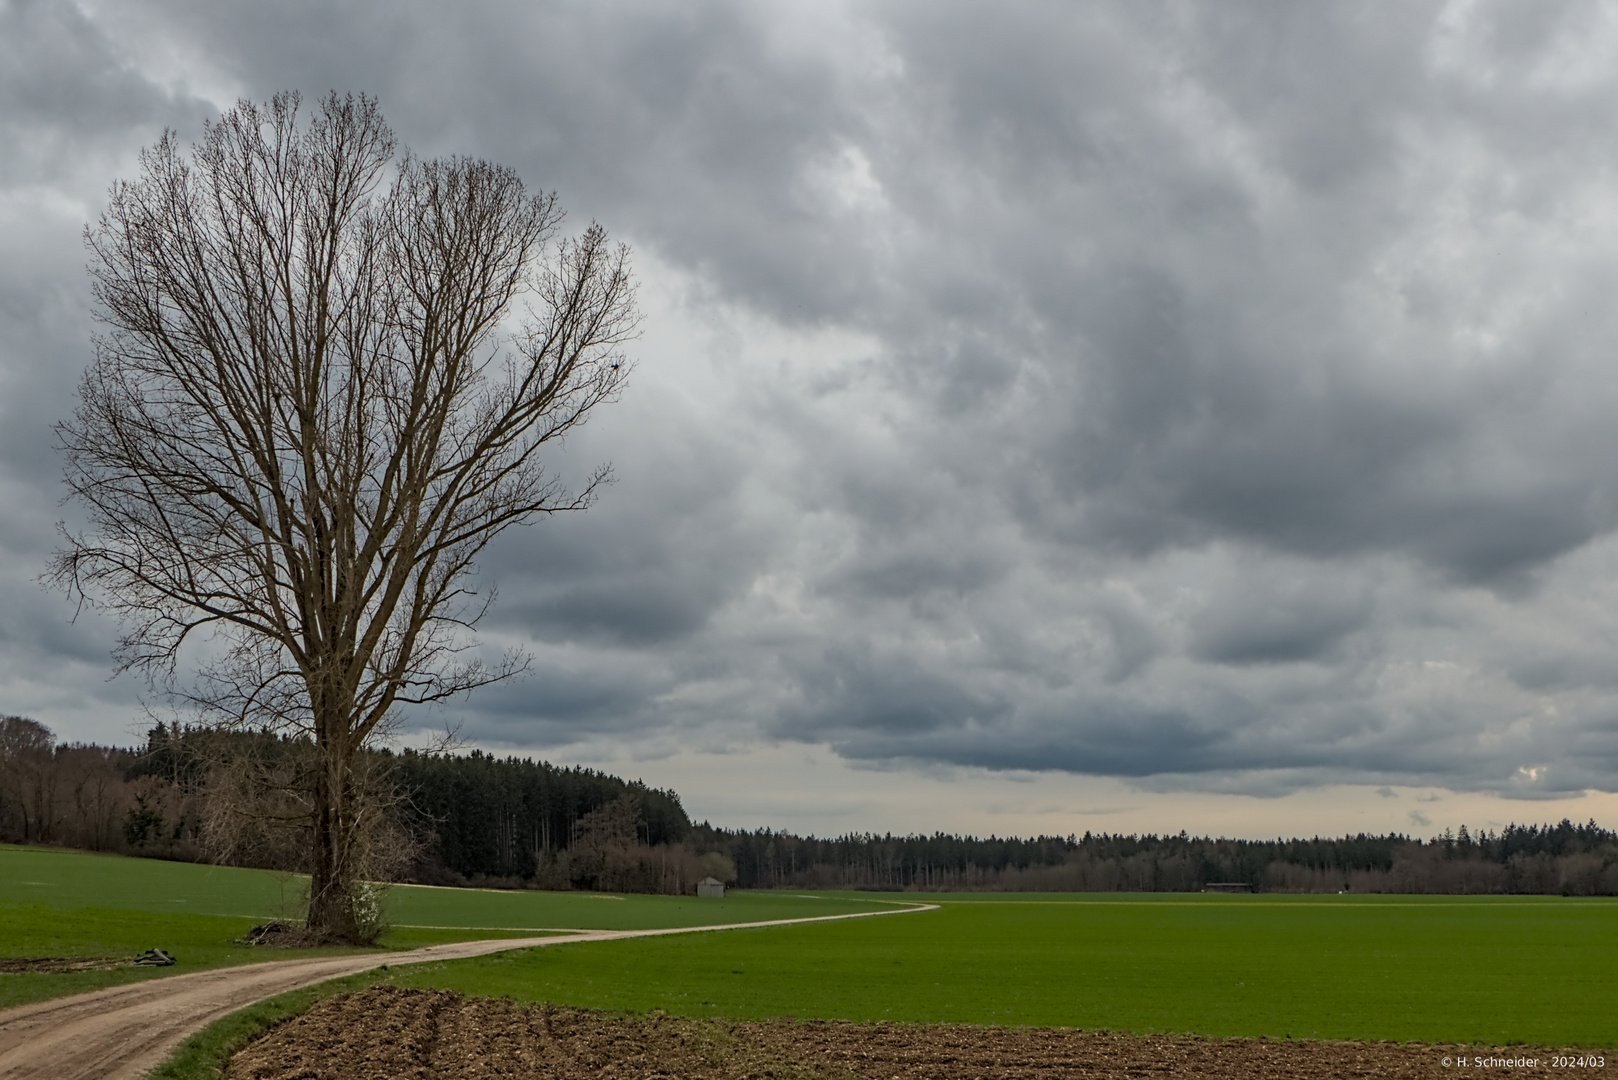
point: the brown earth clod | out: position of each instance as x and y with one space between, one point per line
385 1032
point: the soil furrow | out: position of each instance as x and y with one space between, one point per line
384 1032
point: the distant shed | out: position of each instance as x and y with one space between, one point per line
711 886
1227 886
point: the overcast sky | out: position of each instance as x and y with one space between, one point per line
1049 417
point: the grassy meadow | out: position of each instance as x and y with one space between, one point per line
1465 969
70 904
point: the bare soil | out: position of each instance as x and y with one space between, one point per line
389 1034
59 965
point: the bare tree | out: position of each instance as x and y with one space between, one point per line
27 779
329 375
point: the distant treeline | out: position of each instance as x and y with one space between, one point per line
515 821
471 819
1566 858
479 819
74 795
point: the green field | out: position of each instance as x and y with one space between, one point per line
69 880
56 903
1539 970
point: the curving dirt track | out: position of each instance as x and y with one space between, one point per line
121 1032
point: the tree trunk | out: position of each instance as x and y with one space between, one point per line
331 873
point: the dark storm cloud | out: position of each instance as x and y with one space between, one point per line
691 124
663 549
72 108
1213 395
63 86
560 695
1272 621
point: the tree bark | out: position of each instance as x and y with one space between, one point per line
331 884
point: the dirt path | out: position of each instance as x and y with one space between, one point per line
121 1032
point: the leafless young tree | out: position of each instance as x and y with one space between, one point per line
27 780
328 380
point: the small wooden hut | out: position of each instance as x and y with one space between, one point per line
711 886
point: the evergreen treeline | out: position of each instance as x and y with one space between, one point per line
480 819
466 819
1103 862
1565 858
514 821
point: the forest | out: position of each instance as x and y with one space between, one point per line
479 819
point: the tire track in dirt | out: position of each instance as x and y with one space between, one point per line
121 1032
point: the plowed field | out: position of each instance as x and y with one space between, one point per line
389 1034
